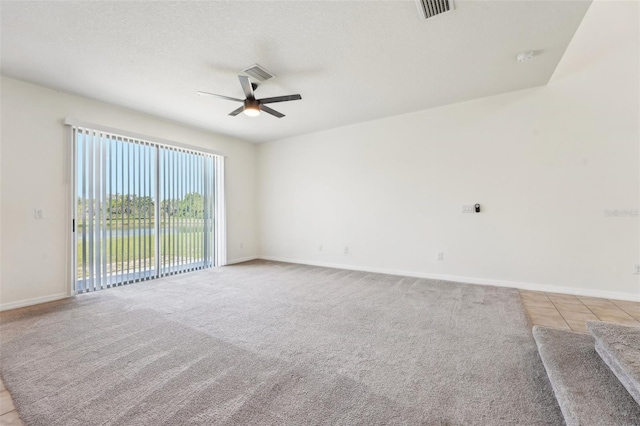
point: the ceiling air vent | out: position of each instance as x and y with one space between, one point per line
430 8
256 72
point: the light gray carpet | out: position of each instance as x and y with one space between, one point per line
273 343
619 347
587 391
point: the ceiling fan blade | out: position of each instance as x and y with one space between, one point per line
246 86
219 96
237 111
271 111
280 99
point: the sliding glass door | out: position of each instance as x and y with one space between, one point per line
142 210
186 210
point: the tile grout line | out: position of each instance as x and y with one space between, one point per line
623 310
614 304
591 310
9 412
560 312
620 308
554 307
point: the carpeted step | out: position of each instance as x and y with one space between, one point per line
619 347
587 391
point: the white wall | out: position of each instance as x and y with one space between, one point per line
34 166
544 164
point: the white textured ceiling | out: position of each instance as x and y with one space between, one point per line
351 61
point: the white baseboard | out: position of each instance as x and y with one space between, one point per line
31 302
453 278
241 259
470 280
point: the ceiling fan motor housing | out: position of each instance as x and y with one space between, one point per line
252 107
251 104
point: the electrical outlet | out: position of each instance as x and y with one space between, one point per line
637 270
346 249
440 256
38 213
468 209
241 245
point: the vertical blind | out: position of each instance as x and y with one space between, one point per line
143 210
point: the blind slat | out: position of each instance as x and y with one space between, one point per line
142 210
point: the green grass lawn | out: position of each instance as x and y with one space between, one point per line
122 251
131 224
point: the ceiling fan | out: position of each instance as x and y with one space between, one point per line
253 106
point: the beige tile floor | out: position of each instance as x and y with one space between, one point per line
549 309
8 414
572 312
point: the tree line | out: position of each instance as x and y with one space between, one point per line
132 206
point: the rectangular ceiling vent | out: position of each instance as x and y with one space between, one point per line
256 72
430 8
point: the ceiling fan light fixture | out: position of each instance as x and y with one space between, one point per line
251 108
252 111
